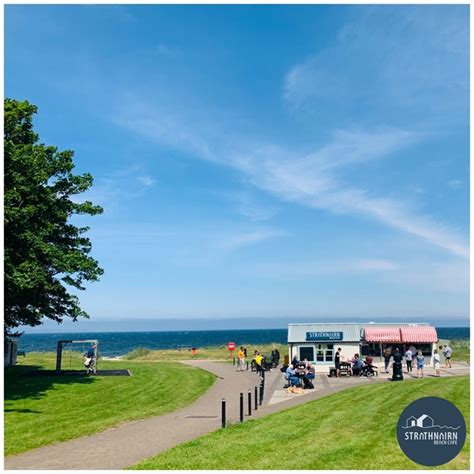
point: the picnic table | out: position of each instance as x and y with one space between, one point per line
345 368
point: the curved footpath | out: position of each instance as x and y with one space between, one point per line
131 442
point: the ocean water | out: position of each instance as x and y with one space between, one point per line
120 343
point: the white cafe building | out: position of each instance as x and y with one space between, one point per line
318 342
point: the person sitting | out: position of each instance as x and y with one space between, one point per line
310 374
356 365
290 375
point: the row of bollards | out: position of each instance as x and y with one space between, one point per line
258 400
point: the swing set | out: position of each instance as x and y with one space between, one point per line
63 343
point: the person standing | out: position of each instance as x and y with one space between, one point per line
387 354
409 360
241 357
337 362
436 362
420 364
259 364
447 352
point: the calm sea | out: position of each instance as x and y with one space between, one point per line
120 343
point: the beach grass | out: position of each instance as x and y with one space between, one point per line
352 429
205 353
49 409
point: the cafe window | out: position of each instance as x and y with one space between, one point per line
307 353
329 352
324 353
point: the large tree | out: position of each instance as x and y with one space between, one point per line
46 256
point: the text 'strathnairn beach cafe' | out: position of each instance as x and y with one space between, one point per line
318 342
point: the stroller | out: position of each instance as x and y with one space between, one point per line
368 370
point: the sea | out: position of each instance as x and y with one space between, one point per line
113 344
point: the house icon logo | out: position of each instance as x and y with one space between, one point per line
424 421
431 431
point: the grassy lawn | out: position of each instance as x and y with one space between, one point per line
44 410
353 429
208 353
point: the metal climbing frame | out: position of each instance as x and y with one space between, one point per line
61 344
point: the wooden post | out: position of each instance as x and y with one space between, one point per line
59 353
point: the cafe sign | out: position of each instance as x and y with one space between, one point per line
324 336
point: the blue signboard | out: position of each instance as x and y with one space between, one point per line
324 336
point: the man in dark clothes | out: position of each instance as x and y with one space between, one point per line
337 362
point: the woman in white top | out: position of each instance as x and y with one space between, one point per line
436 363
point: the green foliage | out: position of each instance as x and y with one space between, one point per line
352 429
50 409
137 353
44 253
208 353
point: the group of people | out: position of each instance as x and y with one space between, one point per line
300 374
413 355
259 362
356 366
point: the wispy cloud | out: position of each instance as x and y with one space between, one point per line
147 181
233 242
392 59
455 183
303 269
125 183
313 179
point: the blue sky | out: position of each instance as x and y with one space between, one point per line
261 161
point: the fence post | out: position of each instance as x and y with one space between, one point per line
223 412
256 398
261 392
241 407
250 402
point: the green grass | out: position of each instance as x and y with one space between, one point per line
207 353
460 349
44 410
352 429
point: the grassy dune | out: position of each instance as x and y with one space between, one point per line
208 353
44 410
353 429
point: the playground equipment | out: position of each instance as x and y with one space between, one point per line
62 343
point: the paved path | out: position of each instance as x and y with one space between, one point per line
129 443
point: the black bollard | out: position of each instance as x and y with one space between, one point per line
256 398
241 407
250 402
223 413
233 362
397 372
247 365
261 393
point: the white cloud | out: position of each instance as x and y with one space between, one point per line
147 181
313 268
389 58
455 183
235 241
310 179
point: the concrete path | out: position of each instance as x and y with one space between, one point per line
129 443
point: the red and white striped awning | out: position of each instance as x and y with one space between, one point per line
419 334
382 334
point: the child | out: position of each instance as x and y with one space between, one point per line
436 363
420 364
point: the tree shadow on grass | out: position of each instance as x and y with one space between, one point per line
32 381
